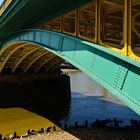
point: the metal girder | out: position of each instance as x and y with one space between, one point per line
5 52
40 61
19 52
14 13
119 74
43 63
10 46
22 66
22 58
54 65
4 6
10 54
34 61
57 65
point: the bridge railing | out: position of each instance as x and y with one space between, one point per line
4 5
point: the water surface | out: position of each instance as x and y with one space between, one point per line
89 102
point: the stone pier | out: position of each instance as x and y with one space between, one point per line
24 89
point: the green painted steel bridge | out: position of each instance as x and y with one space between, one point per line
38 35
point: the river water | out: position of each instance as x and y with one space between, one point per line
89 102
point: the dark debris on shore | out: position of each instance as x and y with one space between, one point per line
98 130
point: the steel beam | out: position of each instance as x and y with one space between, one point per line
119 74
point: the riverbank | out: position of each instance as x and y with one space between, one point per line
89 134
55 135
106 134
20 120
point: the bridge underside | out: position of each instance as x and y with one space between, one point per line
117 73
32 75
21 57
36 11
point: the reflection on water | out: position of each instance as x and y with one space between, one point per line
89 102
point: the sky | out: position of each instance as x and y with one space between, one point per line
1 2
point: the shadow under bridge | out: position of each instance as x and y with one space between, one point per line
115 72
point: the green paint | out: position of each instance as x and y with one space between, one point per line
20 14
118 74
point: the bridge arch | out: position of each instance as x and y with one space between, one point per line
117 73
25 56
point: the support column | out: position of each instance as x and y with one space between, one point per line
127 26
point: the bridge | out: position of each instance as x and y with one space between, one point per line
100 37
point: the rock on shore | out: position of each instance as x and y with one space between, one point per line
55 135
89 134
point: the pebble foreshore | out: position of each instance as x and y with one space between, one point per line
57 135
88 134
98 130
